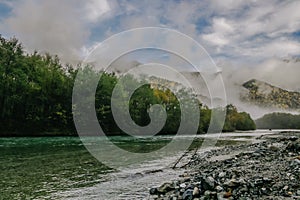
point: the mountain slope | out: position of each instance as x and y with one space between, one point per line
267 95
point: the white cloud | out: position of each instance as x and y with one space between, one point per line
95 9
234 28
256 29
58 27
221 30
216 39
248 37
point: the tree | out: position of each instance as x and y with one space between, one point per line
36 97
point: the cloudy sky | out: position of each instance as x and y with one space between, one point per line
228 29
247 39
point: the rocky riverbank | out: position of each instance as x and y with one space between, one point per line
266 170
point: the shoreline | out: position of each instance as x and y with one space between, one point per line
75 134
269 169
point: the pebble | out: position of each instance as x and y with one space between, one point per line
196 192
188 195
219 189
263 170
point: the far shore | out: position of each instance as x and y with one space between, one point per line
74 134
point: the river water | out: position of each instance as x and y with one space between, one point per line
62 168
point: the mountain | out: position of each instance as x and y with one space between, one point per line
267 95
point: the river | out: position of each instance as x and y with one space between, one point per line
62 168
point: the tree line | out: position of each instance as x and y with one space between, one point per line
279 121
36 97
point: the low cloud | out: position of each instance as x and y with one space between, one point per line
58 27
248 39
227 29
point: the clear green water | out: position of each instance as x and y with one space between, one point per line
38 168
33 168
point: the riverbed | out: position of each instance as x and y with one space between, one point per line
62 168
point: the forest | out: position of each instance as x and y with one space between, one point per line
36 98
279 121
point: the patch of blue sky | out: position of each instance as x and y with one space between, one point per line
5 11
101 31
201 24
296 35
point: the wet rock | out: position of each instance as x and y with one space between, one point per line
207 194
196 192
222 175
274 148
234 183
293 138
268 170
166 187
220 196
190 187
208 183
227 194
153 191
186 179
285 187
154 197
188 195
219 188
294 146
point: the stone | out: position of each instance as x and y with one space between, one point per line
174 198
274 148
220 196
297 161
219 189
267 180
188 195
186 179
196 192
154 197
190 187
293 138
208 183
166 187
222 175
207 193
153 191
244 189
227 194
294 146
271 173
234 183
264 190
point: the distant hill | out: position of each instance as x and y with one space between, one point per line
267 95
278 121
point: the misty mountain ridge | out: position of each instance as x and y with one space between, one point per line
266 95
255 96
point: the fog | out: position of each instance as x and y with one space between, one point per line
283 73
278 72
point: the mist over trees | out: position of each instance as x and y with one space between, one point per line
279 121
36 98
